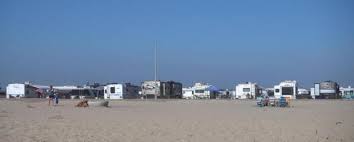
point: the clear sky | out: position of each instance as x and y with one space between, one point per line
219 42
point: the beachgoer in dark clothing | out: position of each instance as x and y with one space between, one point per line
56 99
51 95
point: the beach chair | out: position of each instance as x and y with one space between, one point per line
283 102
348 97
272 102
260 102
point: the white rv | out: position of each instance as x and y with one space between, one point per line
347 92
188 93
19 90
226 94
247 90
303 94
121 91
286 88
200 91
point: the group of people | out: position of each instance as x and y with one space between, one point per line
53 96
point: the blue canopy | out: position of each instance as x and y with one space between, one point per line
213 88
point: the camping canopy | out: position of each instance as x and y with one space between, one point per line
212 88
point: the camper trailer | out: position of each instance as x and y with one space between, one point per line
176 90
226 94
29 90
19 90
151 89
287 89
347 93
247 90
326 90
303 94
187 93
200 91
160 89
121 91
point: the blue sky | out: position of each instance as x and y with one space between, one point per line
219 42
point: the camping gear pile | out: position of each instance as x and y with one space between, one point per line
86 103
266 101
83 103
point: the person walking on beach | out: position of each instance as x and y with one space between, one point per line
51 95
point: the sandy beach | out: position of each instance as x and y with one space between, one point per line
31 120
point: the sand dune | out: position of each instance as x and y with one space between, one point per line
176 120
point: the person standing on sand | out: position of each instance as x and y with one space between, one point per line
51 95
56 98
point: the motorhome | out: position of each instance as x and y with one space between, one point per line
247 90
160 89
200 91
121 91
286 88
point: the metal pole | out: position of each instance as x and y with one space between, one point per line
155 60
156 70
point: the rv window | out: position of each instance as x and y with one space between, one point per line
246 89
287 91
86 93
105 91
277 90
75 92
113 90
199 91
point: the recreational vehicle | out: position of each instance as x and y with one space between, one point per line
121 91
326 90
347 93
160 89
200 91
226 94
286 89
247 90
19 90
187 93
303 94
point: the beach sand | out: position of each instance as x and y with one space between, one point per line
28 120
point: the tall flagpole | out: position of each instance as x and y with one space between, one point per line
156 86
155 60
